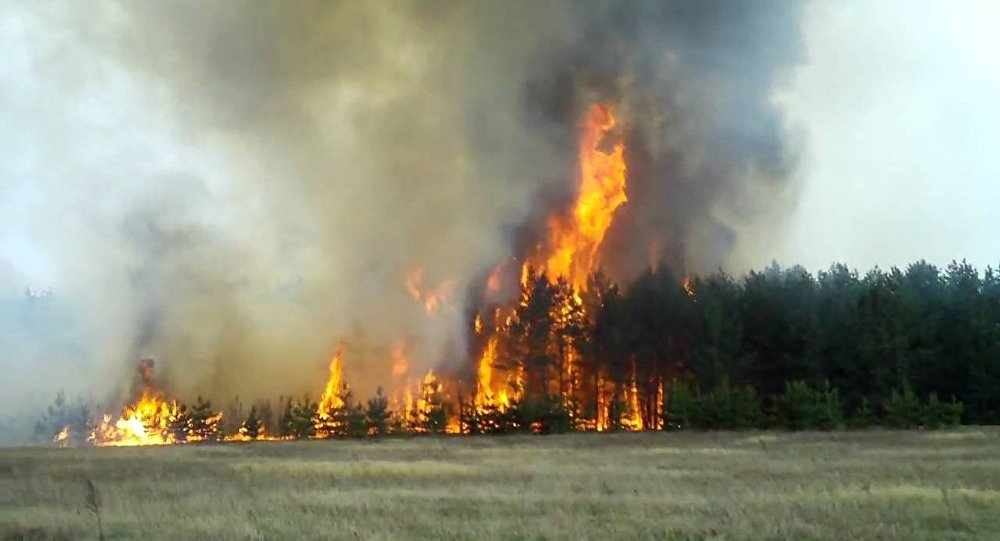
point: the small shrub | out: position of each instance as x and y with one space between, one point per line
794 409
800 407
724 407
827 408
252 426
937 414
297 421
357 423
681 406
548 415
376 416
903 409
863 416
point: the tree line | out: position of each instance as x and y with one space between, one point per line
778 347
782 348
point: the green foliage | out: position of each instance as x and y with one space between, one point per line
682 406
356 422
297 420
76 418
377 414
863 416
903 409
937 414
548 415
725 407
730 408
800 407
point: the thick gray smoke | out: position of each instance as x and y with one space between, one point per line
232 187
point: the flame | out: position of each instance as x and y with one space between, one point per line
432 300
146 422
688 287
572 253
576 239
400 365
331 399
61 439
632 419
152 419
429 388
484 374
494 279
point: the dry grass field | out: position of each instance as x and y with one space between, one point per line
860 485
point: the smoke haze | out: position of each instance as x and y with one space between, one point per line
231 188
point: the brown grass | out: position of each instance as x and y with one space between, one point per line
872 485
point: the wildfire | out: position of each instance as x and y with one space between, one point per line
400 365
151 419
146 422
565 260
62 438
576 239
689 287
332 394
433 300
571 253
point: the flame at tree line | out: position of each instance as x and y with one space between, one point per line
529 369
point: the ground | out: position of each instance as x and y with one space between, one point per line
741 485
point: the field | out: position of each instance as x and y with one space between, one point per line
887 485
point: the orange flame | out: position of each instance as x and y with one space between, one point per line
334 384
400 365
571 252
576 239
432 300
689 287
151 419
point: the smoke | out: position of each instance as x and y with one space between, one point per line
231 188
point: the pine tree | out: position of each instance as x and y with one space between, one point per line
203 422
297 421
65 423
377 414
252 426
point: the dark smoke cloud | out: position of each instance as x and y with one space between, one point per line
321 150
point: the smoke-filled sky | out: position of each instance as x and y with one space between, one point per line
233 187
899 107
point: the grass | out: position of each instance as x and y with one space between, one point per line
853 485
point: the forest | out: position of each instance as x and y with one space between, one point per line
777 348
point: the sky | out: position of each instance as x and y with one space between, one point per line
899 108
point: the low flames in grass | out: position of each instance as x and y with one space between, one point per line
528 373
